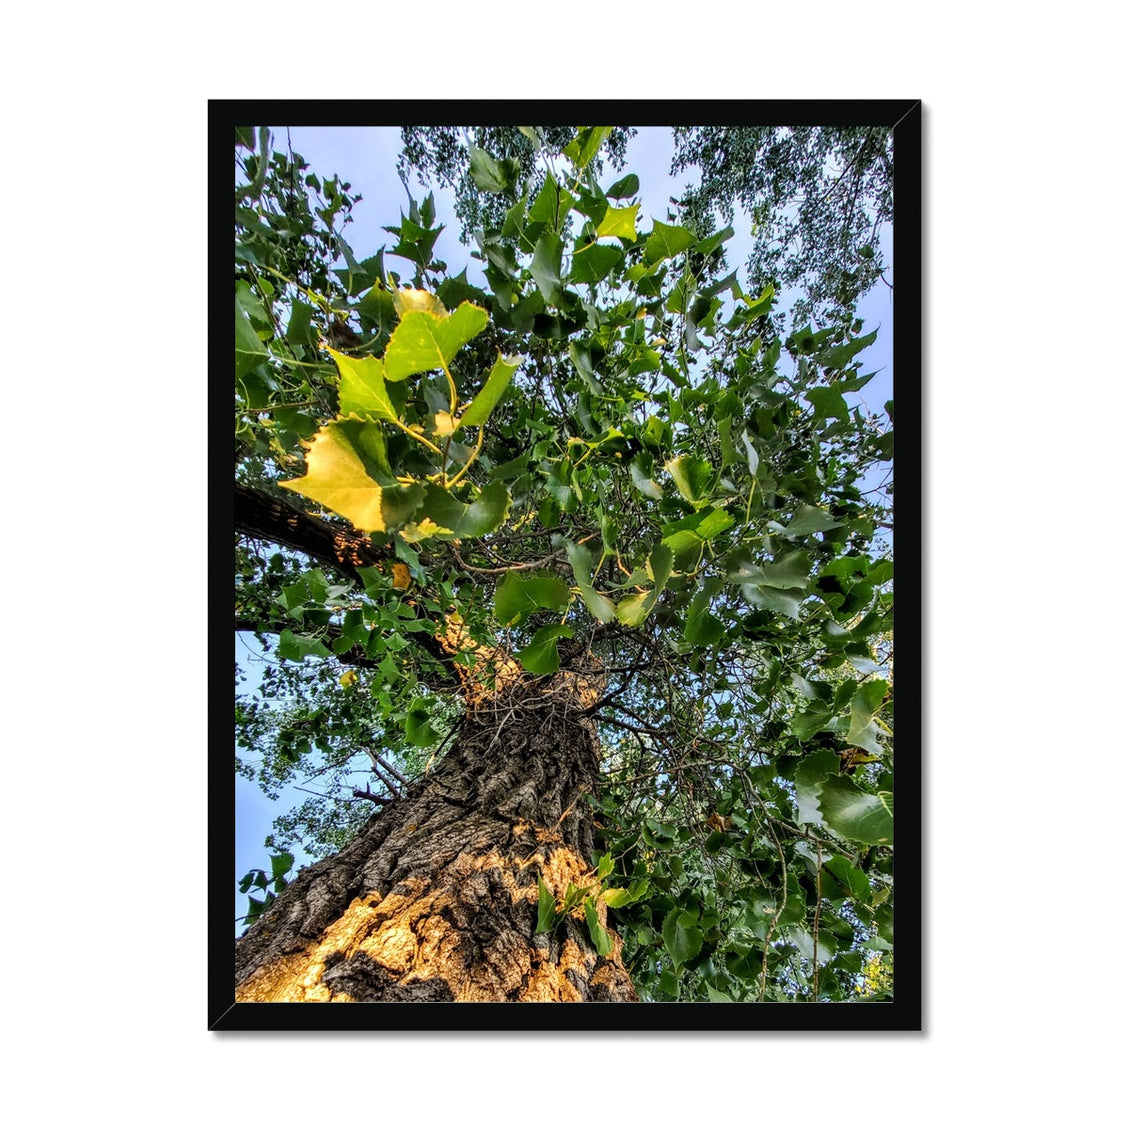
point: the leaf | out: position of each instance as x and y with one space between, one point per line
692 476
521 594
810 519
640 470
546 267
541 655
599 605
492 175
451 518
417 724
249 350
855 814
338 466
682 935
702 627
596 931
350 677
625 186
594 262
424 341
362 391
553 203
809 777
666 241
291 646
546 908
586 144
827 402
618 222
839 355
410 300
280 864
866 702
491 392
401 576
754 458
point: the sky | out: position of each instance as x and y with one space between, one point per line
366 157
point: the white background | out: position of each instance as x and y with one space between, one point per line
106 455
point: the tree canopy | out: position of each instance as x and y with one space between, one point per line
817 197
604 455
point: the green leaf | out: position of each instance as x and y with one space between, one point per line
702 627
850 877
553 203
417 724
291 646
596 931
546 267
490 175
827 402
604 867
838 356
594 262
486 400
633 609
546 908
541 655
249 350
641 469
586 144
521 594
855 814
751 451
424 340
280 864
809 777
866 702
810 519
624 187
362 391
456 519
666 241
619 223
692 476
599 605
682 935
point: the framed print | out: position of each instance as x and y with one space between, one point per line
564 565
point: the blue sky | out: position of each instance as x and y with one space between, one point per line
366 158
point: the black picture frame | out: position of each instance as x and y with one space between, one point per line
904 1012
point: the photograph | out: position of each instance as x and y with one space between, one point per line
564 566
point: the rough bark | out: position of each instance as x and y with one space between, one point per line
436 898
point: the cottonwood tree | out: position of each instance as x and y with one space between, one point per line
574 603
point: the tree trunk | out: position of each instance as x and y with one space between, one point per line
437 897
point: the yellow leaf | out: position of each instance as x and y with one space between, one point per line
618 222
336 478
444 424
401 577
408 299
347 679
421 531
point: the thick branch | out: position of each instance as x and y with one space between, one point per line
266 518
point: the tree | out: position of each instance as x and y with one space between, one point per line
818 197
582 572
